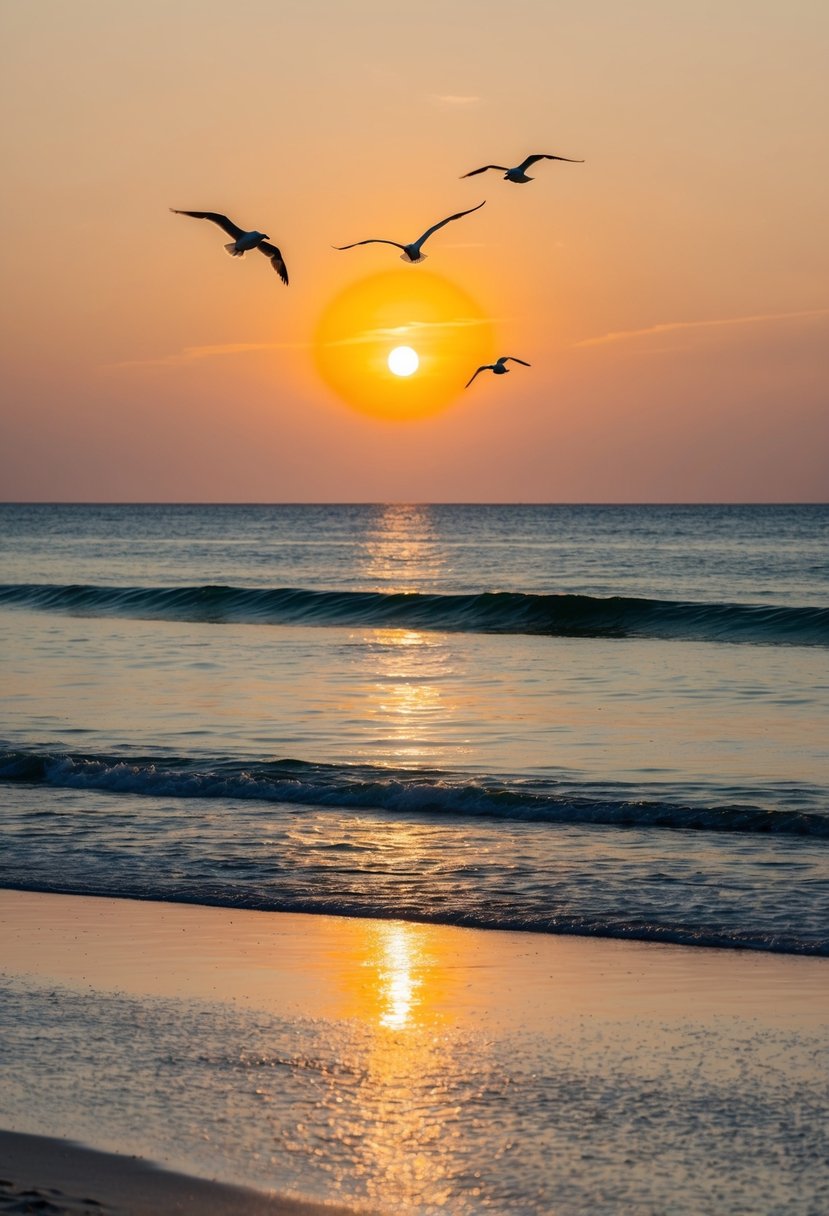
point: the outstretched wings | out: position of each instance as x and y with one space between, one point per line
276 259
227 225
483 169
530 160
372 240
485 368
448 220
512 359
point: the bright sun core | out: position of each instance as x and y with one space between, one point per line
403 361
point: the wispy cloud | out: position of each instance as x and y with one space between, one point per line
410 329
192 354
454 99
666 327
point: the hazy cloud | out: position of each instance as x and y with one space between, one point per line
454 99
623 335
409 329
192 354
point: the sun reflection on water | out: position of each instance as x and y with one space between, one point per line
405 1128
402 552
398 986
409 671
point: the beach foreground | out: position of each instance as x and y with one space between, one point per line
55 1177
390 1065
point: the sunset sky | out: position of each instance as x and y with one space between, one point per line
671 293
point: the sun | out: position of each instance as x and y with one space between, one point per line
403 361
401 345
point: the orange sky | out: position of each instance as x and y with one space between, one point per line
671 293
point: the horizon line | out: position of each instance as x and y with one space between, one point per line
406 502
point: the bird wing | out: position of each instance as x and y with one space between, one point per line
276 259
448 220
228 225
512 358
485 367
372 240
483 169
530 160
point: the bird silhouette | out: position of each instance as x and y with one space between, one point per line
499 367
412 252
518 172
242 241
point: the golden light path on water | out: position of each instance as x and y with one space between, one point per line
402 344
407 682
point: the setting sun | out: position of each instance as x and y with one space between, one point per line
403 361
402 323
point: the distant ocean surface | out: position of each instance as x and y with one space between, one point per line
610 721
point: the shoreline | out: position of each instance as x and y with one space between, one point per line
251 956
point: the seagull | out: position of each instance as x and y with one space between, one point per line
411 253
499 367
518 173
242 241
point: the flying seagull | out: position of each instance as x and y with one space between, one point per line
518 172
499 367
411 253
242 241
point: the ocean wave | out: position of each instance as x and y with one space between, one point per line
562 615
374 788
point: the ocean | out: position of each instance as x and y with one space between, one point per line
600 720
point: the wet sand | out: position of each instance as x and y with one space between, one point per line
41 1175
408 989
334 967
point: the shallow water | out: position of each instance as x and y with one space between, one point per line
340 708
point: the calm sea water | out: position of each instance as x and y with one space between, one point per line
598 720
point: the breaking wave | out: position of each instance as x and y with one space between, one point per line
562 615
395 790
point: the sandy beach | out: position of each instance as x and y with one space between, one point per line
38 1174
379 1032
